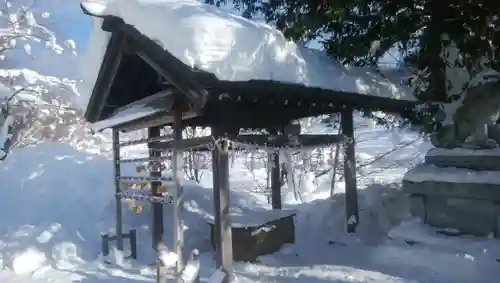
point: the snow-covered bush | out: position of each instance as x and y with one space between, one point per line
34 107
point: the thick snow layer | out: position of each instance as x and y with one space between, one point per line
463 152
139 109
425 172
120 117
252 218
237 49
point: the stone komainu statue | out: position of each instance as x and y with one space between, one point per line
474 123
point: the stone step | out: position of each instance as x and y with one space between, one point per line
428 179
485 159
458 198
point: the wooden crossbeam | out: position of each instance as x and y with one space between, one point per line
280 141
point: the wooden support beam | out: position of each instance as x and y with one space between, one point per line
157 221
276 181
222 208
286 141
155 120
158 119
201 143
351 193
118 202
178 201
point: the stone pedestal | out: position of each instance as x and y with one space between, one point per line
457 189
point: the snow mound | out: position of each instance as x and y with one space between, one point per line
381 207
28 261
51 202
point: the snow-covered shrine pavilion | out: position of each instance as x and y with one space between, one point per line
183 63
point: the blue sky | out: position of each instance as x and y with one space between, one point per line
68 22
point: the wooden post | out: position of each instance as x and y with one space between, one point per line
178 198
105 244
269 177
351 194
222 208
216 200
155 171
133 243
276 181
118 202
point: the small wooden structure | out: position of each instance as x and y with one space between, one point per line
142 85
266 236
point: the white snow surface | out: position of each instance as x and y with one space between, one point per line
236 49
56 200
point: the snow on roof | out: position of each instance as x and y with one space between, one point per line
96 47
148 106
237 49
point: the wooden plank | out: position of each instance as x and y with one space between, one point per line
118 202
199 142
351 193
178 202
157 221
155 120
285 140
276 181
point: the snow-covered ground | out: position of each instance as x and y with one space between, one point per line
55 200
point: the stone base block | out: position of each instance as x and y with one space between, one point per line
486 159
452 182
468 216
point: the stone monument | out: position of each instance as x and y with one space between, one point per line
458 186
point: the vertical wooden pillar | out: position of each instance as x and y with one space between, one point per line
178 198
351 193
276 181
155 171
118 202
222 207
216 200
